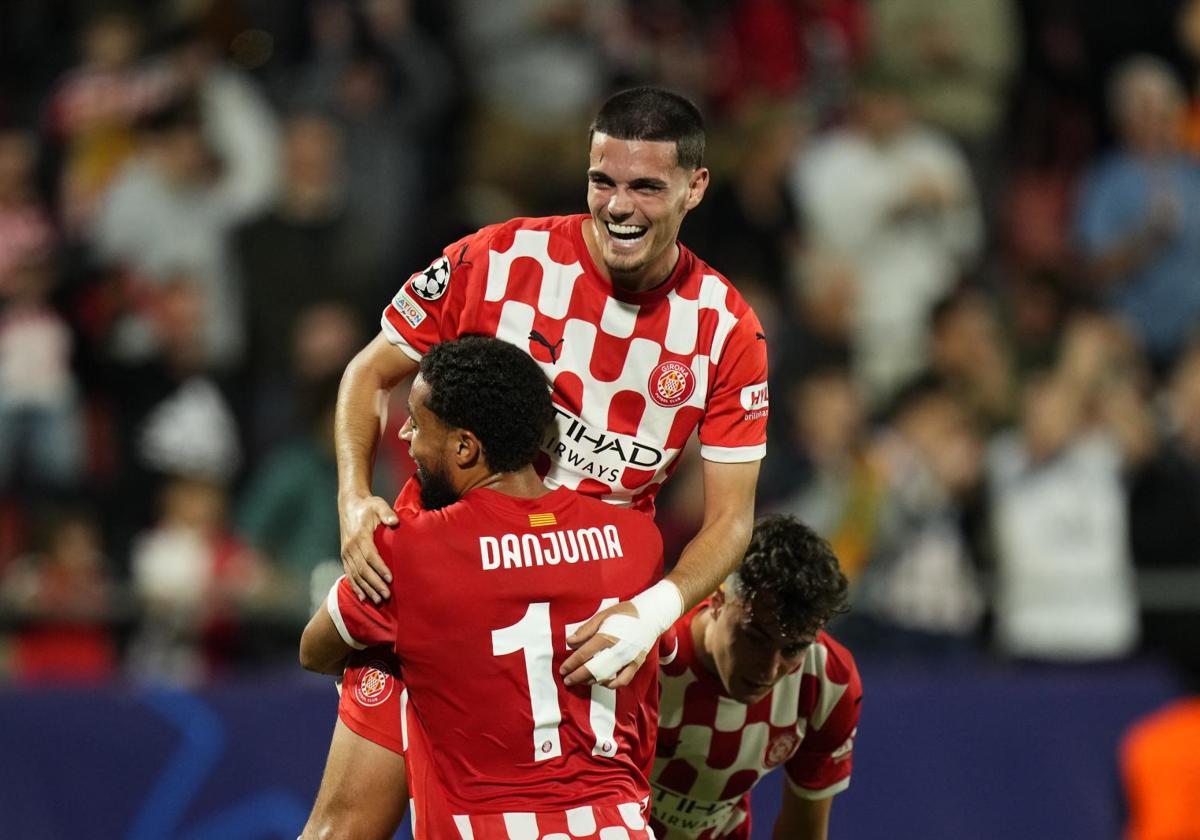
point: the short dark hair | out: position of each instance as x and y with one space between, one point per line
791 571
494 390
649 113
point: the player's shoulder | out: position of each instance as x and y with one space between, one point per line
837 663
712 288
501 235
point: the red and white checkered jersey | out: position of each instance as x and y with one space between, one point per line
634 373
486 591
712 749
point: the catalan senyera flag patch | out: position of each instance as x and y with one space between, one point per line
541 520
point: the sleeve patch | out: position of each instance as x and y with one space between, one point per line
432 283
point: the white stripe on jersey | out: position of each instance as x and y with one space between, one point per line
733 454
816 663
335 612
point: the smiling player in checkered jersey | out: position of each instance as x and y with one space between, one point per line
749 682
643 344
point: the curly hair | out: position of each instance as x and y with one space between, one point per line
493 390
655 114
792 572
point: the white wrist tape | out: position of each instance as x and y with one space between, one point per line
658 608
661 605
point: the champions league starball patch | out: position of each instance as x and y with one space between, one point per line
431 283
374 684
671 383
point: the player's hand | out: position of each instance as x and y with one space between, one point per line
587 642
365 569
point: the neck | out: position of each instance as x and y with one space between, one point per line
699 633
523 483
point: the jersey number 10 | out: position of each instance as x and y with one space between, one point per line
532 636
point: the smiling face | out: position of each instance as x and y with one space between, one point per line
749 652
638 196
429 440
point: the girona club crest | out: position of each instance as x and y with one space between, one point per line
374 684
671 383
780 749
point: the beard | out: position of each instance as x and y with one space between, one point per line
436 490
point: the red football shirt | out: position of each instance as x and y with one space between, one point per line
712 749
634 373
486 592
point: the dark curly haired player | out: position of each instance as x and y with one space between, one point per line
496 569
758 683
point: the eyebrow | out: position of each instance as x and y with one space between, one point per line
636 183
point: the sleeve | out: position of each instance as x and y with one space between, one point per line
359 623
821 766
668 645
365 623
435 304
734 427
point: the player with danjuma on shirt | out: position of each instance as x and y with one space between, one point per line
643 343
750 681
498 569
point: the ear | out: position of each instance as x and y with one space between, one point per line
697 185
467 450
716 601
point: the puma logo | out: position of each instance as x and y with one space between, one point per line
462 257
760 336
534 335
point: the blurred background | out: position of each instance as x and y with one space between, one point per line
971 229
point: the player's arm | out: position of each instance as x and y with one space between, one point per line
721 542
361 407
613 644
802 819
341 625
322 649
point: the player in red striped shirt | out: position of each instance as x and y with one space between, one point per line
497 569
750 682
644 344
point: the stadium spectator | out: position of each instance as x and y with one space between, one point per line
750 225
1065 589
969 353
956 61
207 163
1137 222
387 85
783 50
171 413
1164 486
756 652
285 511
894 199
478 412
192 576
93 111
918 594
65 593
25 225
645 320
832 483
41 424
523 153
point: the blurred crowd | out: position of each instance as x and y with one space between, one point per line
971 230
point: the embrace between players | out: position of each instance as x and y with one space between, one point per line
554 683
